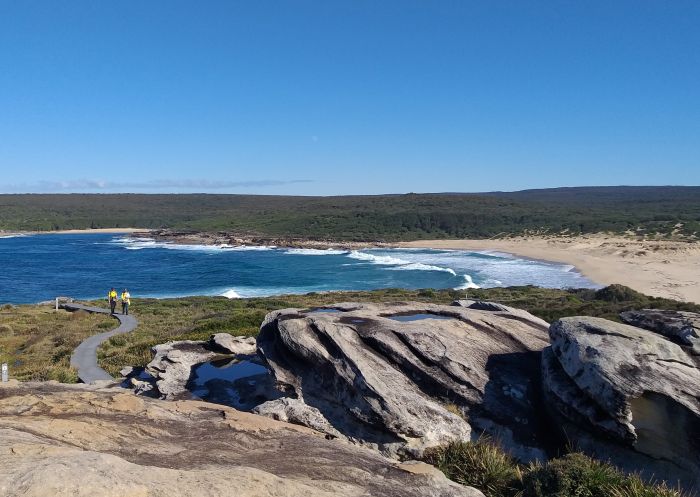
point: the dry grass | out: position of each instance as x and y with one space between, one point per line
37 341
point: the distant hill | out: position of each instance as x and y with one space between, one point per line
664 211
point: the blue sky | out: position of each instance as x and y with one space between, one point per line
330 97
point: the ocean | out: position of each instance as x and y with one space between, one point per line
36 268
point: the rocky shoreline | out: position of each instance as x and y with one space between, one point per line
237 240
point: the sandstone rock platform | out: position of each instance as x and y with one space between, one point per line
61 440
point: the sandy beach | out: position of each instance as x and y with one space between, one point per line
659 268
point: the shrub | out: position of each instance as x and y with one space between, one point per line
480 464
636 487
574 475
487 467
619 293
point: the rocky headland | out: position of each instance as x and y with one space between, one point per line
237 239
403 378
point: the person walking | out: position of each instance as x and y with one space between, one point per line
126 300
112 297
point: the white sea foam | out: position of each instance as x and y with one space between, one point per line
419 266
149 243
397 263
311 251
468 283
384 260
15 235
250 248
231 294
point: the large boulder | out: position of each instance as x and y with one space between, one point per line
401 378
626 394
85 441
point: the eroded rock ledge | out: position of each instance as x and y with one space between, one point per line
401 378
626 394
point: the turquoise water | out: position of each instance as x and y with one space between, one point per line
41 267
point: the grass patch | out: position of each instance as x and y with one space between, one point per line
484 465
481 465
37 341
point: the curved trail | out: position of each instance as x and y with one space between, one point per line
84 357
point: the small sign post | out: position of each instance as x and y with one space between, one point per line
5 376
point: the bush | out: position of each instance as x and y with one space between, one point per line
487 467
619 293
636 487
574 475
480 464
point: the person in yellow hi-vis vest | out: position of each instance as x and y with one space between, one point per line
126 300
112 297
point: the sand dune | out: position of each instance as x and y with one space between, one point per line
659 268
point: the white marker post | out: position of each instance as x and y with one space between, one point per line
5 375
56 303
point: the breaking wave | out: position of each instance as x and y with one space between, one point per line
149 243
231 294
399 264
419 266
468 283
384 260
311 251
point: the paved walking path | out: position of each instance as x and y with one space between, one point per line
84 357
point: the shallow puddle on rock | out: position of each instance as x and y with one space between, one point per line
241 384
225 370
416 317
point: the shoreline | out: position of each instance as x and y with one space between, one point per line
89 231
657 268
75 232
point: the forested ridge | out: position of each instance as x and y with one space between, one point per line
654 211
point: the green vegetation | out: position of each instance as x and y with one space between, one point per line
196 318
37 341
485 466
651 211
480 464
